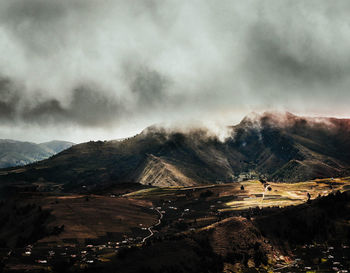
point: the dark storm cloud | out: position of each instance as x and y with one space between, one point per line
148 86
94 63
31 22
88 107
271 61
8 100
299 52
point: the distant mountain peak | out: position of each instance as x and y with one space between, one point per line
19 153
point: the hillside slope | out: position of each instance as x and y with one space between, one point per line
278 147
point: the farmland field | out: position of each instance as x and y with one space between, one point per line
253 194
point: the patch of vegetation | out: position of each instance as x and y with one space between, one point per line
23 224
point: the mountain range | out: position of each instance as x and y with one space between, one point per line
18 153
276 147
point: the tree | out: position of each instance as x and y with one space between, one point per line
308 198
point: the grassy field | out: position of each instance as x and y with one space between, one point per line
254 194
285 194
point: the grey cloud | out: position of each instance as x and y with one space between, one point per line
88 107
8 100
148 86
35 24
36 12
100 64
272 61
48 111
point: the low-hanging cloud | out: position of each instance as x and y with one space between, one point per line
108 64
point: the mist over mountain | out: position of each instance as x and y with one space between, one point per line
279 147
18 153
89 70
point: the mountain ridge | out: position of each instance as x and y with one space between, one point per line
17 153
271 146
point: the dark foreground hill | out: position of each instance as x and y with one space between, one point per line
280 147
17 153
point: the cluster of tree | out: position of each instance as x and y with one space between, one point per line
206 194
258 255
24 223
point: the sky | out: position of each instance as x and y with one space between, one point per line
81 70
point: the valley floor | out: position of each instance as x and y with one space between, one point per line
232 225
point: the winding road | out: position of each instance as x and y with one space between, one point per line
150 228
